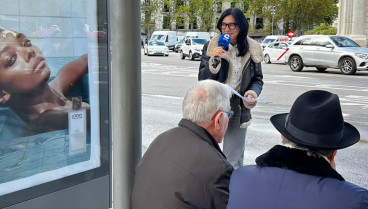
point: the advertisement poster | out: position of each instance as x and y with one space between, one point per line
49 96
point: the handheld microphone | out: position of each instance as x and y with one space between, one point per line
223 42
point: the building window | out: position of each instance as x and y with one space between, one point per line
179 24
166 24
179 3
193 25
259 23
218 7
166 8
147 15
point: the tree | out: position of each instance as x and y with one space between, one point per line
302 13
180 9
254 9
206 14
323 29
149 9
307 13
168 11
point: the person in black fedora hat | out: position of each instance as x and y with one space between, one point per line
301 173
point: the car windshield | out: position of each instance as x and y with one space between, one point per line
197 41
343 42
158 37
156 43
268 40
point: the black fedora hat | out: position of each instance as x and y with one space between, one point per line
315 121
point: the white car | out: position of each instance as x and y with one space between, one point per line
275 52
192 48
156 48
274 38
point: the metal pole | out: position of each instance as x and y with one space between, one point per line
273 13
125 100
272 24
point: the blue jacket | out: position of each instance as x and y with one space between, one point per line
287 178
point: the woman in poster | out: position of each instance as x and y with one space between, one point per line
24 86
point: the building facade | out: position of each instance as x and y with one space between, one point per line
353 20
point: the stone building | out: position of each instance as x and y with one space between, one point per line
353 20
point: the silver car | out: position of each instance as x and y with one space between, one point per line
327 51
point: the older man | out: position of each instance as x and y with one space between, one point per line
300 174
184 167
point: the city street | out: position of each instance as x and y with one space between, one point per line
166 79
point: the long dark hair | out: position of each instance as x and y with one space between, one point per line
242 23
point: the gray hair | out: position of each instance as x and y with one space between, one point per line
204 99
315 153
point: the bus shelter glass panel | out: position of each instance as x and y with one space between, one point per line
53 99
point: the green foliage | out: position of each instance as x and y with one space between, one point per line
323 29
303 14
149 10
306 13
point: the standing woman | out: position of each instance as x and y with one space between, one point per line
240 67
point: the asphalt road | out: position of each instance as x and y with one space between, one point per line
166 79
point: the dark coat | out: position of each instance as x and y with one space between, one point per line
286 178
251 75
184 168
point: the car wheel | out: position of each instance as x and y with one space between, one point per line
296 63
321 69
348 66
267 59
191 56
182 56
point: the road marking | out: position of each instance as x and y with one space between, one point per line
163 96
169 70
301 82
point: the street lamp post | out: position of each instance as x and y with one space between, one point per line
273 13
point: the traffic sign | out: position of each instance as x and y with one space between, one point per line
291 34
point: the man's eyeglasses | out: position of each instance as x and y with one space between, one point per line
229 114
231 26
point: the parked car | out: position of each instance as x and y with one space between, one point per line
327 51
177 47
275 52
169 37
192 48
156 48
274 38
201 35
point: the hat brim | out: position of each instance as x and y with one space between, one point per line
350 135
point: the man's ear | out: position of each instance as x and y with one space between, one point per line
217 121
332 157
4 97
